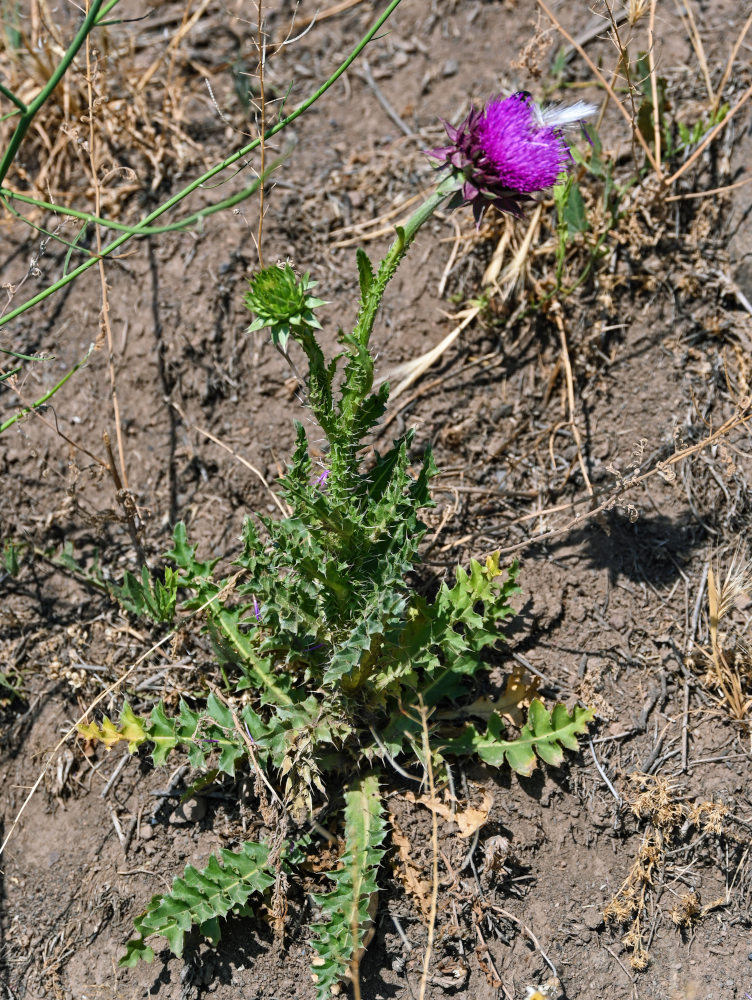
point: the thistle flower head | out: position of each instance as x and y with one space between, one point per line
507 151
281 301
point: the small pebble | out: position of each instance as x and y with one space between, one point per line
146 832
451 67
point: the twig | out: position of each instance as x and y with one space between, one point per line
604 775
400 770
654 91
711 191
126 501
118 827
252 468
365 74
403 936
570 397
249 745
730 63
112 780
624 969
696 39
487 958
652 757
146 871
709 136
685 731
526 929
105 315
698 606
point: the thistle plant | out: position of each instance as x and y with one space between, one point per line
332 663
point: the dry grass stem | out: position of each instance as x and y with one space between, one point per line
654 91
434 852
414 369
690 25
105 312
712 134
607 86
730 64
572 423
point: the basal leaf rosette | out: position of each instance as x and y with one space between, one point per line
281 300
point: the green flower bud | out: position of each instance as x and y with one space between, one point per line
281 301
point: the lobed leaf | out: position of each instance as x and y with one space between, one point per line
545 733
345 911
200 898
131 728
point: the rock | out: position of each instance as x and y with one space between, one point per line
191 811
146 832
593 918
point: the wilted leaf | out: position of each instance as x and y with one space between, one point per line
468 820
520 689
408 872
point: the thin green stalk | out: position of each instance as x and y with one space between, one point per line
12 97
190 188
40 402
27 357
48 233
405 236
139 229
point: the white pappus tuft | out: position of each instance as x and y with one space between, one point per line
564 115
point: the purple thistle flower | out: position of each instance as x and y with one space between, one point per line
256 610
507 151
321 481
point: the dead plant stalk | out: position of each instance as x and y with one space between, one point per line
434 851
105 314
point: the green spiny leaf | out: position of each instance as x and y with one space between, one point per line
345 910
544 733
130 728
184 557
200 898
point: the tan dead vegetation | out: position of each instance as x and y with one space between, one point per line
668 819
140 110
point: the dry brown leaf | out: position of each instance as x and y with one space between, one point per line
468 820
408 872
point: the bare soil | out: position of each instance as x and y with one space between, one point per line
613 610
